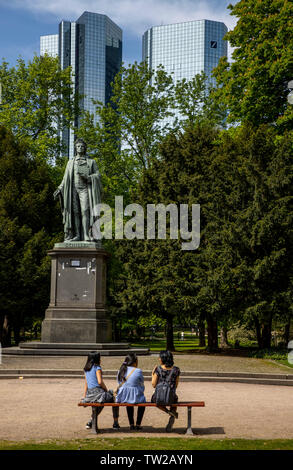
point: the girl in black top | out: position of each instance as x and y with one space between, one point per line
161 373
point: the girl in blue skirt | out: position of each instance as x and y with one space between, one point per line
131 389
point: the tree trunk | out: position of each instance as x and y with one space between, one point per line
266 335
286 335
224 337
258 332
169 334
16 332
212 334
5 338
201 331
120 331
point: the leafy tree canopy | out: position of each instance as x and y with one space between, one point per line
254 85
29 225
37 103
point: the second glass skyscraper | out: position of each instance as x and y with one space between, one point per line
185 49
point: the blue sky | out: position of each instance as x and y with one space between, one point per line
22 22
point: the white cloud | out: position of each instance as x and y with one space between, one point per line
134 15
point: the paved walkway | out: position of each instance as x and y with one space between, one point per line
42 409
198 362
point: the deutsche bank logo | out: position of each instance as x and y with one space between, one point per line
214 44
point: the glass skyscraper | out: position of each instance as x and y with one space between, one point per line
50 44
185 49
92 46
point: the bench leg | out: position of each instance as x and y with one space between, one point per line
189 428
94 420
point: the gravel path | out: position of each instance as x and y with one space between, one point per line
41 409
186 362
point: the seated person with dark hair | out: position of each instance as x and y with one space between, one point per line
95 388
166 371
131 389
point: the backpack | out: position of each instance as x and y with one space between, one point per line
164 394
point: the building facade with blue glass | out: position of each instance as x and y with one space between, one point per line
92 46
185 49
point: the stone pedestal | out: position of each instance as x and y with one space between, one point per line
77 310
76 321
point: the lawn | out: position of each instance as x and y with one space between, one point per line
189 344
284 362
151 444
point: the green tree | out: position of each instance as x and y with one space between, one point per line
260 227
194 101
158 276
144 104
254 85
130 127
29 225
37 104
242 270
127 137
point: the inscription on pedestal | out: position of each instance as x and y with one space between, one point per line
76 281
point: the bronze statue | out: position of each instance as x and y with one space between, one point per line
79 193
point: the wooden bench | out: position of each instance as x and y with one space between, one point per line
187 404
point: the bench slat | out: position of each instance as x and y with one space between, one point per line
180 403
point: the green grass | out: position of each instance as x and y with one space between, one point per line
280 356
284 362
194 443
155 345
191 345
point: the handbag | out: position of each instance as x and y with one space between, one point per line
122 383
164 393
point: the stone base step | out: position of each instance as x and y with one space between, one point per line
83 346
17 351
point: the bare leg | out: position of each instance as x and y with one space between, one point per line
163 408
171 412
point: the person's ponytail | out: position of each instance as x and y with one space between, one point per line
128 361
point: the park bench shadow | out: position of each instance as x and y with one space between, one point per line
208 431
162 430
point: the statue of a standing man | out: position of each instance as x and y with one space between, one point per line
79 193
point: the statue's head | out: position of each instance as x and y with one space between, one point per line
80 146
